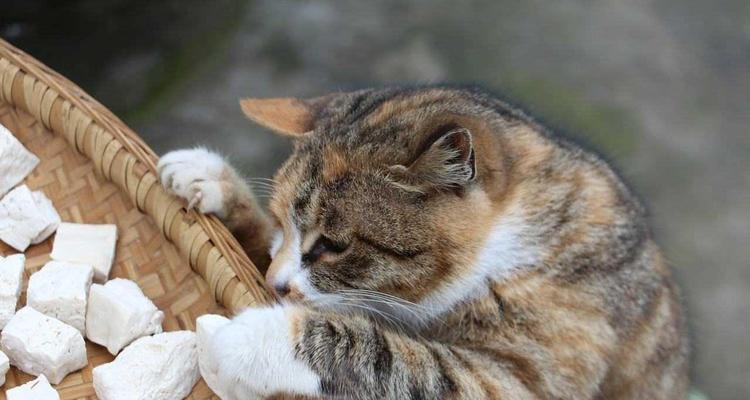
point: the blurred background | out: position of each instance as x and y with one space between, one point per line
661 87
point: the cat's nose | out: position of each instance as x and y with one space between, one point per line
282 289
279 285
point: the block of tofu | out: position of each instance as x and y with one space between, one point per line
11 279
163 366
38 389
26 217
118 312
205 327
48 212
4 367
88 244
59 290
38 344
15 161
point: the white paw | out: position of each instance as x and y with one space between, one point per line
253 356
199 176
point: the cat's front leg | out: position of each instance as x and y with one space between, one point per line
208 183
255 355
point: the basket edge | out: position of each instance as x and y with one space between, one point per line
94 131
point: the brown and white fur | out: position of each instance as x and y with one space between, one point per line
436 243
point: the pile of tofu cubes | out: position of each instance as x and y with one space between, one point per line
71 298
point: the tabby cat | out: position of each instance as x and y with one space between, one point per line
437 243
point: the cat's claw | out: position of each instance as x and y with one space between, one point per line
196 199
199 176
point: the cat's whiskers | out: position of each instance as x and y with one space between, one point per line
418 311
262 187
343 302
261 179
262 184
389 296
262 190
388 318
386 302
393 307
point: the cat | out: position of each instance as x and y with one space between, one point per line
437 243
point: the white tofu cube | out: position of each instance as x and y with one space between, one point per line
48 213
163 366
87 244
59 290
21 219
38 344
118 312
4 367
11 279
205 327
38 389
15 161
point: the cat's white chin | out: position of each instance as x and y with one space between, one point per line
253 356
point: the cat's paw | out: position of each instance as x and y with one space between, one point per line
201 177
254 356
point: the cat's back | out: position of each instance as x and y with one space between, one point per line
602 265
599 271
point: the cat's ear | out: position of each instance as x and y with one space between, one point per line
287 116
448 161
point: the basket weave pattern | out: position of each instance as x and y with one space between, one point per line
96 170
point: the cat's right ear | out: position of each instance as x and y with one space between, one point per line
448 161
287 116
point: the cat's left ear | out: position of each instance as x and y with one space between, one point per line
447 162
287 116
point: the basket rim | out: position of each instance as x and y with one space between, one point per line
94 131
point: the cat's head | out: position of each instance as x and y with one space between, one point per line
387 197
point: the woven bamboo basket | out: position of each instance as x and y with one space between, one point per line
97 170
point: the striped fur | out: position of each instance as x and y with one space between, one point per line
436 243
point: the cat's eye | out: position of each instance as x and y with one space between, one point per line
322 246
